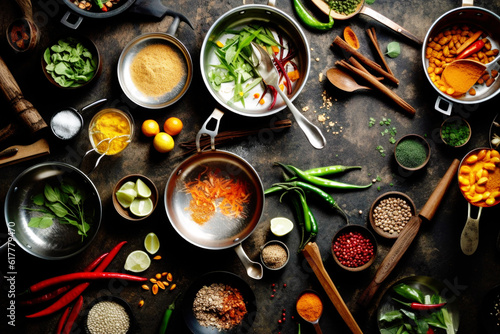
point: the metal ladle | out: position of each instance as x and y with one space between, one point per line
109 140
344 81
22 34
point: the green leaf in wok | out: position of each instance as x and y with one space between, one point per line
40 222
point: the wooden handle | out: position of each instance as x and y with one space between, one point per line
407 235
313 257
392 258
437 195
27 8
381 87
25 111
368 62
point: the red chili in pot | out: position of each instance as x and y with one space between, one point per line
353 249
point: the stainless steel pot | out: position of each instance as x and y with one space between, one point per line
489 22
57 241
219 232
259 14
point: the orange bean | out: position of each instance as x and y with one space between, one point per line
152 280
471 159
158 276
155 289
141 303
160 284
145 287
465 170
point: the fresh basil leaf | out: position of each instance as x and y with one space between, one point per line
391 316
50 193
38 199
58 209
393 49
40 222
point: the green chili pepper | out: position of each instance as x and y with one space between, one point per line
311 189
300 217
309 20
319 181
167 316
329 170
410 293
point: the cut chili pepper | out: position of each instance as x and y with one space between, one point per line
73 315
421 307
473 48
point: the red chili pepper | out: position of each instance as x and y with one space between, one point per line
430 331
83 276
61 322
73 315
53 294
473 48
419 306
77 290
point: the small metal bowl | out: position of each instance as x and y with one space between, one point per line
92 123
390 194
125 213
274 242
365 232
419 139
133 326
86 42
456 122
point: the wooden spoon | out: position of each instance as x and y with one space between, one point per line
344 81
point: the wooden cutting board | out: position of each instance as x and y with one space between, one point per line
18 153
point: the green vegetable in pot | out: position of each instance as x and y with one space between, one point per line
393 49
70 63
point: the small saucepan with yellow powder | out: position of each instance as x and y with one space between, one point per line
155 69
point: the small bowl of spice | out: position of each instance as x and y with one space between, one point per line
109 314
110 131
274 255
390 213
455 131
354 247
412 152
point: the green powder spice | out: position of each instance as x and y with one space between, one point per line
455 133
411 153
345 7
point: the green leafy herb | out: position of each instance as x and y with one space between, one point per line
371 122
393 49
70 63
370 2
381 150
66 203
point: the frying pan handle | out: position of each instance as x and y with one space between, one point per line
389 23
470 234
216 115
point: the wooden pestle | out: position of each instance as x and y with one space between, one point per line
24 110
407 235
313 257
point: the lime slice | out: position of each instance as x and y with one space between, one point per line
281 226
141 207
151 243
142 189
127 185
137 261
126 197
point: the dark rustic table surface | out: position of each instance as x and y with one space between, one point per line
350 141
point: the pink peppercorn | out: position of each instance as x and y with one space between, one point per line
353 249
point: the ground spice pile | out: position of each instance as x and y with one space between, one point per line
108 318
212 191
274 256
219 306
156 70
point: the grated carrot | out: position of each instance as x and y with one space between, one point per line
212 191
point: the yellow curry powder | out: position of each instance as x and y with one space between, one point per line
461 76
309 306
156 70
108 126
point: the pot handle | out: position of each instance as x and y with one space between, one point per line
467 3
438 108
67 23
216 115
470 234
156 9
271 3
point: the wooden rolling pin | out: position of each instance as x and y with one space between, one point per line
24 110
407 235
313 257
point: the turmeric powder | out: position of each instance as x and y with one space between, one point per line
461 76
111 124
309 306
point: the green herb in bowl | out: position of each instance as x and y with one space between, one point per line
71 62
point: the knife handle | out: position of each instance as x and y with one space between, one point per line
437 195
